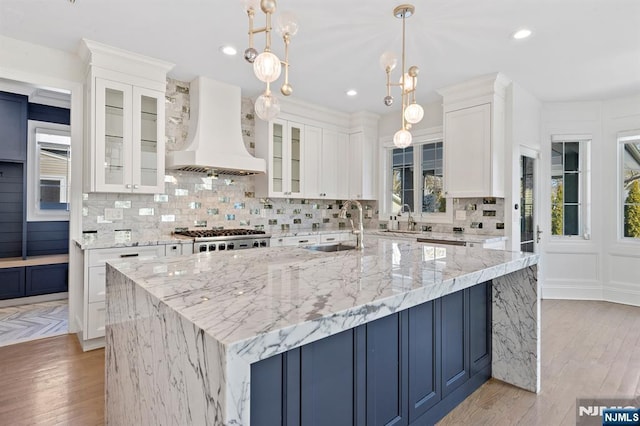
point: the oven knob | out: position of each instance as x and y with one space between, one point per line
256 244
221 246
212 247
263 243
203 248
230 246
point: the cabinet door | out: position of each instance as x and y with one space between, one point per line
467 153
424 358
296 135
13 127
327 381
455 353
356 178
479 326
342 167
12 283
329 165
47 279
312 157
278 160
387 371
148 141
113 156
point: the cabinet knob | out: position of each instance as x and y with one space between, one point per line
136 186
128 186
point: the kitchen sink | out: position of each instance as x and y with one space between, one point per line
330 247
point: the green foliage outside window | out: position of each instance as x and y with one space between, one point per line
557 211
632 211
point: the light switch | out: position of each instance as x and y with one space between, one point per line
113 214
461 215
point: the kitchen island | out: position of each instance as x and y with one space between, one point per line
184 334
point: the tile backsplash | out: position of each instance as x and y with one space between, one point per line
194 200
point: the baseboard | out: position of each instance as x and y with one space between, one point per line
92 344
33 299
572 292
624 296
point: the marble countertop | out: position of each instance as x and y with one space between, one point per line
257 303
90 243
469 238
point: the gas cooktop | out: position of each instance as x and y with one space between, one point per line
212 233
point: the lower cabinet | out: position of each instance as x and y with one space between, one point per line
33 280
408 368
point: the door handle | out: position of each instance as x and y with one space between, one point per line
538 232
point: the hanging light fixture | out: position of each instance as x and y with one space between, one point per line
267 66
412 112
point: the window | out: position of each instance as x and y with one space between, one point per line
569 187
49 171
417 180
630 188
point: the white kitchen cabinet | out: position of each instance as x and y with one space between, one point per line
474 141
281 143
95 286
129 138
361 168
325 164
125 98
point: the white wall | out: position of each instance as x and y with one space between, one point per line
602 267
49 68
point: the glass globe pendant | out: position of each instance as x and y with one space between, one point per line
267 106
267 67
413 113
402 138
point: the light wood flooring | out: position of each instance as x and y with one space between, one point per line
589 349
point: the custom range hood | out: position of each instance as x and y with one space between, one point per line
215 143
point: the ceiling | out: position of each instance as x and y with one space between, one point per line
580 49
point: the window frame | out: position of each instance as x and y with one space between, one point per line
623 138
34 213
584 195
428 136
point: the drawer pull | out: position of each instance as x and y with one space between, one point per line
303 241
331 239
130 255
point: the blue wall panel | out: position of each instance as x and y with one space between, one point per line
47 238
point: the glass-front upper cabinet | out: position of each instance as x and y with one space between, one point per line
286 156
148 126
129 149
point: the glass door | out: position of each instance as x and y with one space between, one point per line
529 232
277 158
113 141
295 135
148 153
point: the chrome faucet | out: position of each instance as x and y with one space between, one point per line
411 224
360 231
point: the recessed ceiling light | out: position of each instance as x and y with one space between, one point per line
351 92
228 50
523 33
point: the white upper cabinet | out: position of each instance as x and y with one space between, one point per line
281 143
318 163
129 138
126 133
474 137
361 168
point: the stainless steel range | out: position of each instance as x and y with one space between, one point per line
226 239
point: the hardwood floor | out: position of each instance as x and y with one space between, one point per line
51 382
589 349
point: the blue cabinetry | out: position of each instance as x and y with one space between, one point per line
13 125
12 282
408 368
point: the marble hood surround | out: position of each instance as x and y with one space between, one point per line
215 141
